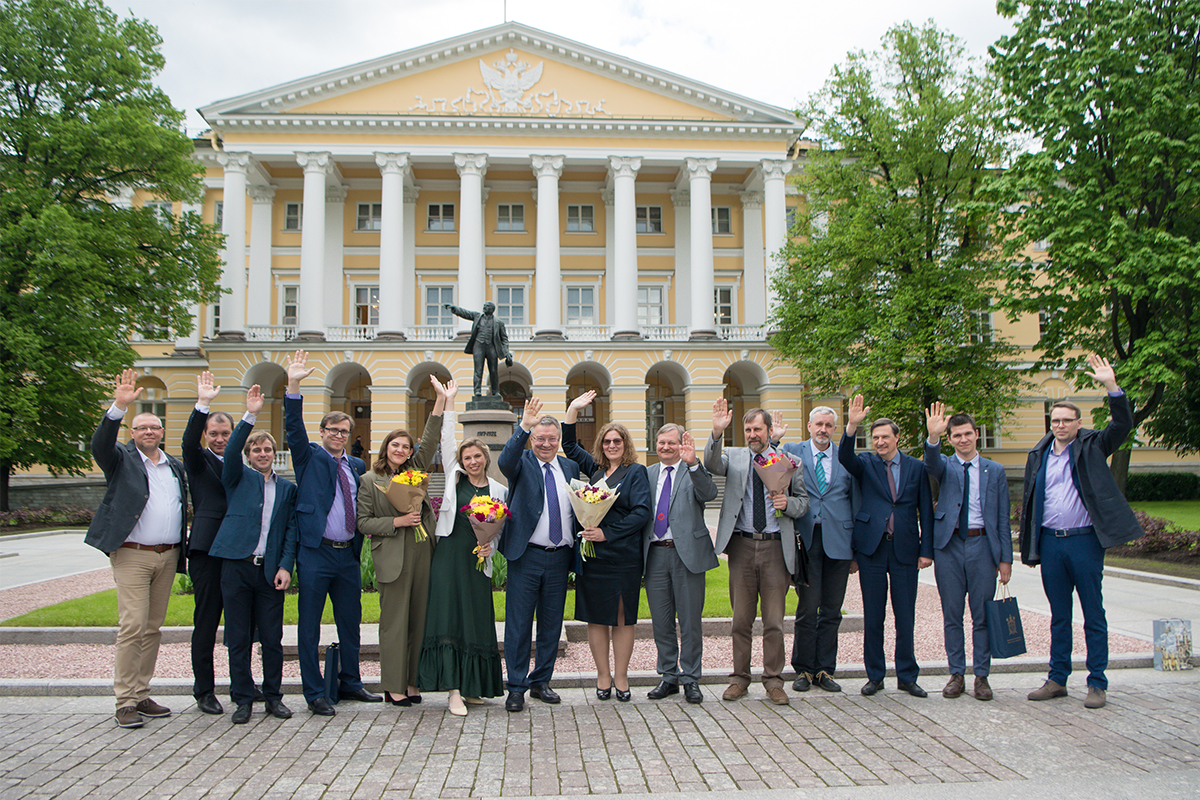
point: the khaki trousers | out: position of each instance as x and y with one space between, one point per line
144 579
757 570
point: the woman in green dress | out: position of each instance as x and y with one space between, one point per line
460 654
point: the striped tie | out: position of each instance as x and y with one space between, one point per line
822 483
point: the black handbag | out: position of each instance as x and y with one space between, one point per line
800 571
332 667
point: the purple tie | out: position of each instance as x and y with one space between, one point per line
552 508
347 499
661 522
890 527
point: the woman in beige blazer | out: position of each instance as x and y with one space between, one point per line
401 562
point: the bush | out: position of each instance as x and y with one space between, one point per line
1162 536
183 584
367 565
499 571
1155 486
48 517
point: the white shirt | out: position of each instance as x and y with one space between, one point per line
974 495
162 518
541 531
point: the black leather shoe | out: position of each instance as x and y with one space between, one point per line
242 715
662 690
603 694
871 687
321 707
802 683
623 695
692 693
515 701
277 709
825 681
546 694
259 697
209 704
362 696
912 688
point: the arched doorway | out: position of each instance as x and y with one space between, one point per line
665 385
584 377
350 385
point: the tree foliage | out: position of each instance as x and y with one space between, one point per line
81 123
1111 93
892 265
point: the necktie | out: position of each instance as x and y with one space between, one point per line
822 482
760 503
347 499
964 514
552 508
891 522
661 523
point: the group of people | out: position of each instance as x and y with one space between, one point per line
841 512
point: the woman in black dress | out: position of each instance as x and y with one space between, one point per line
607 585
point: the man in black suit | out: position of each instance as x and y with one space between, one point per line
893 538
142 527
488 343
203 463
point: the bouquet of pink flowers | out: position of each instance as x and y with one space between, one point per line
775 471
590 503
406 491
486 515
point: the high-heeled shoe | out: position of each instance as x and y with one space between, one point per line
413 699
459 708
624 695
473 701
403 702
604 694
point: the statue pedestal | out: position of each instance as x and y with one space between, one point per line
491 419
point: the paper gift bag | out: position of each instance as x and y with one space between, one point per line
1006 637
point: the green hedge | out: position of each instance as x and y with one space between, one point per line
1153 486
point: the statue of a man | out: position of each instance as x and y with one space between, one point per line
488 342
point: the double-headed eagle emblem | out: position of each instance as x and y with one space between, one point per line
511 81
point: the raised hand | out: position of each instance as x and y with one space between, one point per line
722 416
532 413
298 370
126 390
857 412
451 387
687 449
1102 372
936 421
254 399
206 392
583 401
778 426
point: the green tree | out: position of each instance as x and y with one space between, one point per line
1111 94
890 272
81 123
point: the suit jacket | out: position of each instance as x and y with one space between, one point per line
526 492
1111 515
734 464
689 492
316 476
836 507
376 512
127 492
239 532
204 476
913 507
994 499
626 518
499 342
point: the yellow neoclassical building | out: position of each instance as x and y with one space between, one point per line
622 219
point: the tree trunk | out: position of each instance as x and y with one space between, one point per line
5 472
1120 467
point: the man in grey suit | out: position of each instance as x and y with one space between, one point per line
972 541
678 551
826 529
760 545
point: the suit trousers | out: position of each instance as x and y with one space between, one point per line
205 572
672 590
874 574
402 606
537 583
326 571
819 611
251 602
493 365
144 580
1075 564
757 570
966 568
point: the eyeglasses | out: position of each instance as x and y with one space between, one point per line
150 428
336 432
545 440
613 442
1062 423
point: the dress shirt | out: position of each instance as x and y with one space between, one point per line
335 523
975 503
203 409
1064 507
161 519
541 531
662 477
269 484
827 465
745 517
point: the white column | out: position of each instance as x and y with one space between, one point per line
190 345
408 275
471 287
233 275
754 277
258 287
609 198
391 245
775 208
334 311
625 266
309 322
548 268
700 172
681 199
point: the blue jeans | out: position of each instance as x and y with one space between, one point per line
1075 564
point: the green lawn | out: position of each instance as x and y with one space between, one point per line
100 609
1184 513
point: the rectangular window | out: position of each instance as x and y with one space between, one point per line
510 217
366 305
580 219
650 305
291 305
510 304
219 213
656 417
163 207
435 297
649 219
989 437
1046 413
441 217
720 220
293 214
156 407
581 305
723 304
979 325
370 217
791 216
216 318
1045 318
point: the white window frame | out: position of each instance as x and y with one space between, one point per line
425 304
981 325
645 289
372 221
373 312
595 303
218 213
440 218
644 219
499 289
581 225
506 220
285 303
989 436
733 303
293 217
715 214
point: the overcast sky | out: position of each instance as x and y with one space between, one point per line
770 50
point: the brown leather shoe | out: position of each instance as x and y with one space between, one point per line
149 708
1096 698
954 687
777 696
1049 690
983 691
128 717
735 691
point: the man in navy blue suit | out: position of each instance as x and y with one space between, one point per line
538 542
893 538
257 543
330 543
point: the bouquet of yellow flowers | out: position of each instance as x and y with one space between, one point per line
406 491
590 503
486 515
775 471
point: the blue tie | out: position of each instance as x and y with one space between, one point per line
552 507
964 514
822 482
